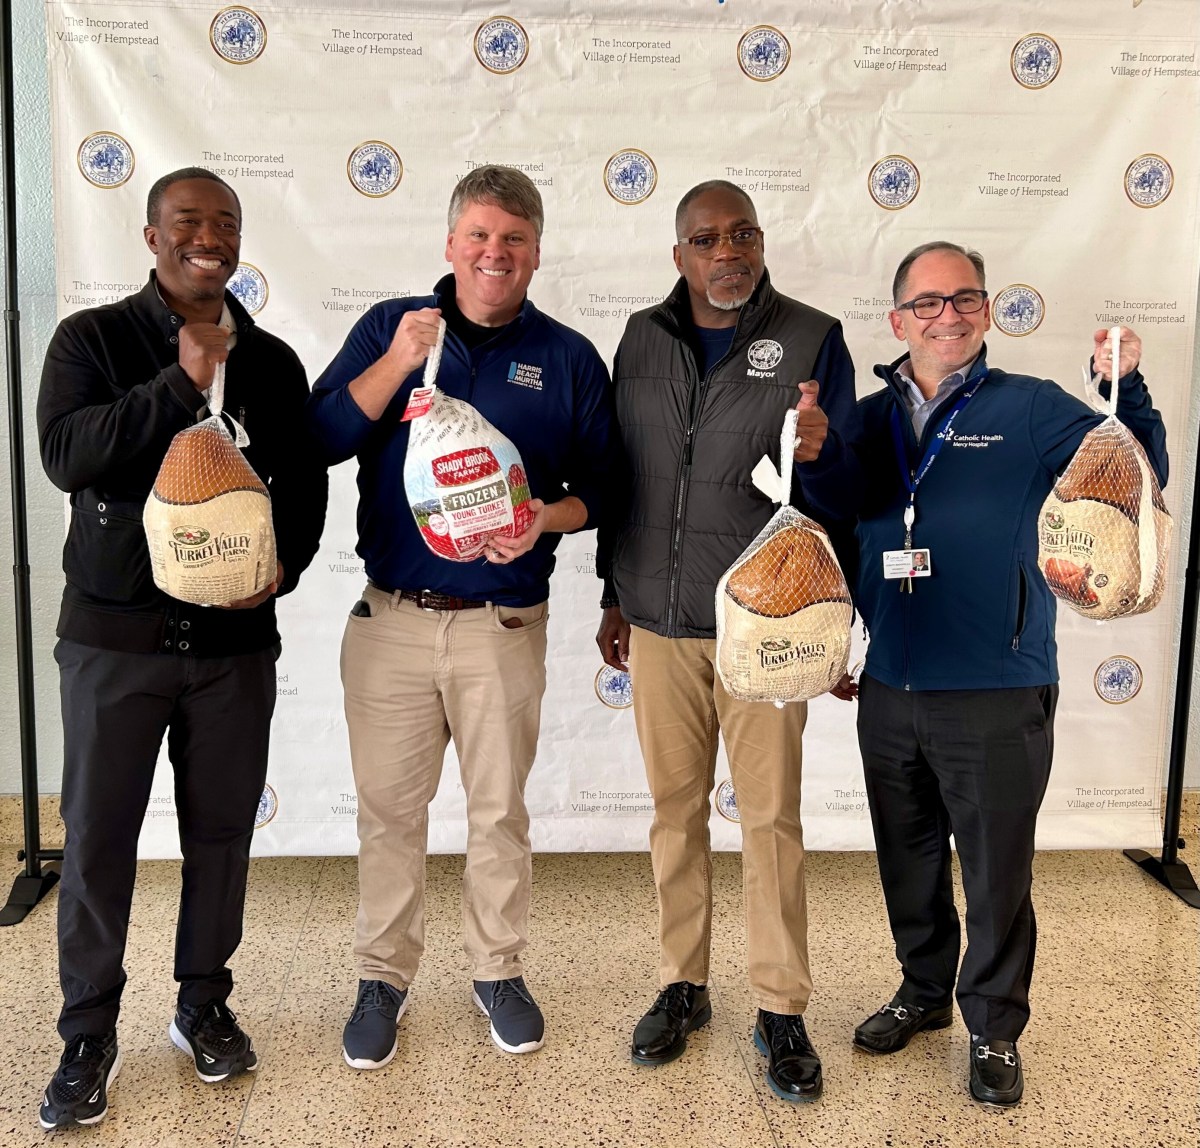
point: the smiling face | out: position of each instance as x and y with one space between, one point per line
196 241
940 346
719 284
494 255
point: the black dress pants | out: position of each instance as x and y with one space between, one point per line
974 763
216 713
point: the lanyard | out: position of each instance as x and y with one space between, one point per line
912 476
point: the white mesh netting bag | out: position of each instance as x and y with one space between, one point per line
783 608
208 517
1104 531
464 480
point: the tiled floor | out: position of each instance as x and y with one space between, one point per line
1111 1056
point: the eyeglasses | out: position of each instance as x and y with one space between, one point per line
708 244
931 306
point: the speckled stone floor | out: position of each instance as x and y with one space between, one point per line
1111 1056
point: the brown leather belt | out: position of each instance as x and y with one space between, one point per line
430 600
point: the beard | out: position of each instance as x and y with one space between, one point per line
727 304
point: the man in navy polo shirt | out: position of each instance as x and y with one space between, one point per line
437 649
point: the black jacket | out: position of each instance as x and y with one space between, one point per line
690 445
112 397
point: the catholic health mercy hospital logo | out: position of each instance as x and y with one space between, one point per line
105 160
238 35
374 169
501 45
630 176
764 53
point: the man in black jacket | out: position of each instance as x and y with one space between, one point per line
119 382
702 384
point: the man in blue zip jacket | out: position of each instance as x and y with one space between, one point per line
956 702
438 649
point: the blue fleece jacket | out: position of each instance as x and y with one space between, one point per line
562 429
984 619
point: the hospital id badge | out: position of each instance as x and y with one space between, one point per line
907 564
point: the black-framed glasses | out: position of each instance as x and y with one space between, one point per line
931 306
742 240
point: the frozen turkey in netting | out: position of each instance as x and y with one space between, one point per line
208 520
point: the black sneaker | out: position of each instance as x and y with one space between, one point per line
517 1023
211 1037
793 1067
369 1038
78 1092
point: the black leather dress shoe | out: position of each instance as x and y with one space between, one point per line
661 1035
793 1067
895 1024
996 1076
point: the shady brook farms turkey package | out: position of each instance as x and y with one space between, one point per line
463 478
783 608
1104 530
208 517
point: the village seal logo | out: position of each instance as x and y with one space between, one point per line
268 806
630 176
764 53
249 286
105 160
764 354
1036 60
1118 679
1148 180
1018 310
501 45
726 801
894 182
613 688
374 169
238 35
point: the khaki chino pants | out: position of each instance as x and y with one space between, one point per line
679 705
414 679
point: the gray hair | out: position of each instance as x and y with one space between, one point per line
701 189
900 282
503 187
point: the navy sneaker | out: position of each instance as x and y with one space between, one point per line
369 1038
517 1023
210 1035
78 1093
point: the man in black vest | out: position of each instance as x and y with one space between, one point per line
703 381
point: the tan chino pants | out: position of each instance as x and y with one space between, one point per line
414 679
679 705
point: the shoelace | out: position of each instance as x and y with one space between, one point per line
790 1029
373 998
513 988
84 1049
673 999
217 1020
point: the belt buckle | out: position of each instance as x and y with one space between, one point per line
421 594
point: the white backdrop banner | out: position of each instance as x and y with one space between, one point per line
1060 140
